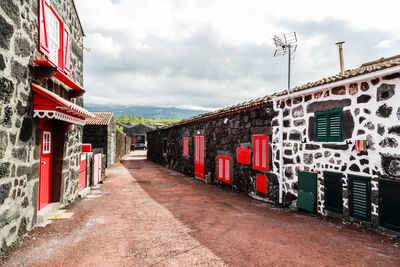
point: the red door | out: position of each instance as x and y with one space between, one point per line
199 156
45 173
82 173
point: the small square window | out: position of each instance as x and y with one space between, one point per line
46 142
328 126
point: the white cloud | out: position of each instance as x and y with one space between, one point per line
384 44
104 46
214 53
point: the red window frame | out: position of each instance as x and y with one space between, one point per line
64 39
223 174
186 146
260 152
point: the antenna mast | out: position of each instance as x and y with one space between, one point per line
286 44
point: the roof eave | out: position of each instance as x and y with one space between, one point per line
355 79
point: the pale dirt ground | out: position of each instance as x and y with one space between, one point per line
145 214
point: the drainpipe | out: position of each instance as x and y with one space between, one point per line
281 156
280 148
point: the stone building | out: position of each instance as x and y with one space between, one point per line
344 131
330 146
123 145
137 133
41 114
197 146
101 133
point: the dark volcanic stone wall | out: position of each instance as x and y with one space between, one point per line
123 145
97 135
102 137
222 136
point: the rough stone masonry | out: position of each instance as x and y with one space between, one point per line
370 112
19 133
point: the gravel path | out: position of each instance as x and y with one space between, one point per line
145 214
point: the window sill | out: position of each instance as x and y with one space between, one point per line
59 75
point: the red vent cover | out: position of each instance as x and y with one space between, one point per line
262 184
86 147
243 155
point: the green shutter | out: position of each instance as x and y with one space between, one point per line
321 127
335 126
307 191
328 126
360 197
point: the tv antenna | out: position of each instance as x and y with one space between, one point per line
286 44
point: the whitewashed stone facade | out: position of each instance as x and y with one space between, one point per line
370 112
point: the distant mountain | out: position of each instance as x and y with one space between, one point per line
145 111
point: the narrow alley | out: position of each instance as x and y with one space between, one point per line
145 214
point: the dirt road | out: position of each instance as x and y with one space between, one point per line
145 214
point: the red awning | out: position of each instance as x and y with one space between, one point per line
49 105
61 76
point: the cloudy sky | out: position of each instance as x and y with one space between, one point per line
214 53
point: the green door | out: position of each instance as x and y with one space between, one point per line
333 191
389 204
307 191
360 197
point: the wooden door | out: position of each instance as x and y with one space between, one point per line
82 173
333 191
307 191
389 204
199 156
360 197
45 172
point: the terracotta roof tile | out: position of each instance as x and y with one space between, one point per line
102 118
365 68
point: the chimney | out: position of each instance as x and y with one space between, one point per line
341 56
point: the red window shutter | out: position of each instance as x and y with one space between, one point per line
260 152
220 168
66 52
227 169
43 37
186 146
224 169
